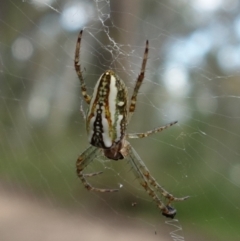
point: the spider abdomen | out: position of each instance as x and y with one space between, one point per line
107 114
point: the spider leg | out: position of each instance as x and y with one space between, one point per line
77 66
92 174
82 111
166 194
138 83
83 161
147 133
142 174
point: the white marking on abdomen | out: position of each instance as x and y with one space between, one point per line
118 128
112 98
105 135
95 91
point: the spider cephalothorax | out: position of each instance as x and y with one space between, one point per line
106 123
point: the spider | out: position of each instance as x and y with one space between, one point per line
106 121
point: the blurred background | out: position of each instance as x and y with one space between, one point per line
192 76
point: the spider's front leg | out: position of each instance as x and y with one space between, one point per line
83 161
77 66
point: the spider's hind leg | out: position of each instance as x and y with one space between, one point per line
163 191
83 161
149 183
139 170
92 174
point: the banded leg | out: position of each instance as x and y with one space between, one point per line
77 66
82 111
147 133
138 83
166 194
139 170
145 172
82 162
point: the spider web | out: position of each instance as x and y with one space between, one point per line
192 76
